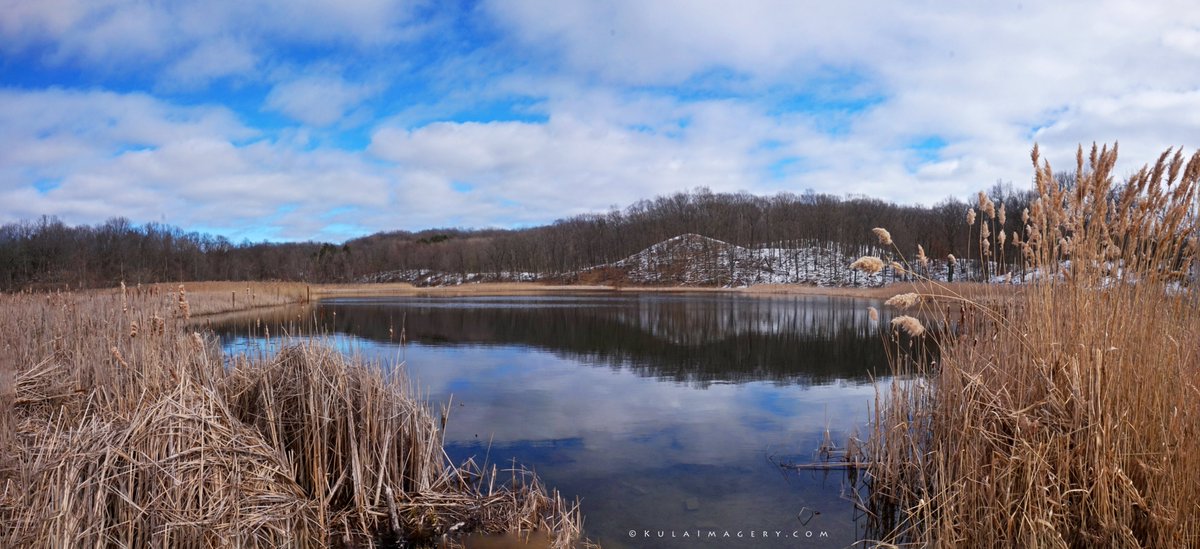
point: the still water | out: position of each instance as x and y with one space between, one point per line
665 414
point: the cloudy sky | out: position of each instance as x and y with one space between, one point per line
329 119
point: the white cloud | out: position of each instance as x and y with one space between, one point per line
51 133
210 60
317 100
639 98
128 36
566 166
982 76
1184 39
669 41
23 22
107 154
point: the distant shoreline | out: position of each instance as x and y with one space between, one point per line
521 288
210 299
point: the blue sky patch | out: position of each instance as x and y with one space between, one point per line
44 186
338 211
785 167
928 149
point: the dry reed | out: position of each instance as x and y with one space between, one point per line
868 264
885 238
152 438
1066 415
904 301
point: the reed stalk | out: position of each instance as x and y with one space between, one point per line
1064 414
152 438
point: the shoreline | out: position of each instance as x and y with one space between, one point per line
524 288
325 291
212 299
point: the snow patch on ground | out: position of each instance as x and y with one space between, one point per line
426 278
695 260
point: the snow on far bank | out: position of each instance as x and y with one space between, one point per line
695 260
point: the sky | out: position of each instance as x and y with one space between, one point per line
288 120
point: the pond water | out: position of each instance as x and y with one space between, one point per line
666 414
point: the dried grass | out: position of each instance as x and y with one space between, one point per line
885 238
868 264
909 325
1066 415
151 438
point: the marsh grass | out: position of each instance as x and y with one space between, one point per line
1064 414
152 438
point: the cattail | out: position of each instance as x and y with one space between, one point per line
873 313
197 342
124 299
1003 215
970 216
116 353
159 326
184 309
896 266
885 237
1000 238
984 231
903 301
1025 216
921 256
950 258
868 264
910 325
1111 252
133 328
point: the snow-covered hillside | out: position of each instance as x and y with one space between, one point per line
695 260
426 277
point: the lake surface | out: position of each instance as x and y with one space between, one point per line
666 414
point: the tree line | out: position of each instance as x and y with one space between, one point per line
47 253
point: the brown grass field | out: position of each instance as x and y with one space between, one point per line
1066 415
122 427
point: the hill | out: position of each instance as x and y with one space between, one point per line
782 238
690 260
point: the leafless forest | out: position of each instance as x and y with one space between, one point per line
47 253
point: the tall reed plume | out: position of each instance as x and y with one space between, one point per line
1064 413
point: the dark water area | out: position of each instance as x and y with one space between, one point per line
667 415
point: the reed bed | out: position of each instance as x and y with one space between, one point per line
123 427
210 298
1065 414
